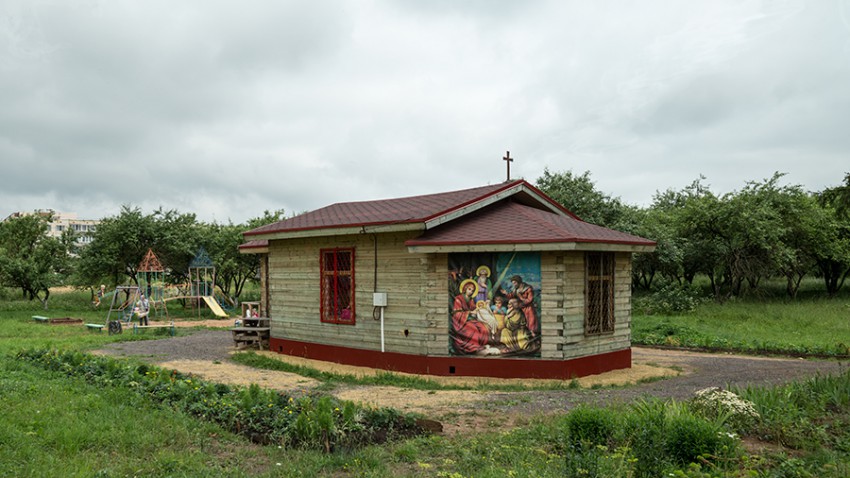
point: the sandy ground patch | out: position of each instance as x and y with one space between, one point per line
428 402
235 374
214 324
450 407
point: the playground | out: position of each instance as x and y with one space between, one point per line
145 304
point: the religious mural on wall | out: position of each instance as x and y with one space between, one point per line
494 304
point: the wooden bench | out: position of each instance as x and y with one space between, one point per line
98 327
138 328
249 336
41 319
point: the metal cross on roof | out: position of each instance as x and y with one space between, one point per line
508 159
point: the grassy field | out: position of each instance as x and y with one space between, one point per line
811 325
55 425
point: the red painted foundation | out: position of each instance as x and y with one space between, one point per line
457 366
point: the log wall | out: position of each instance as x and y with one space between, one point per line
563 306
416 318
415 315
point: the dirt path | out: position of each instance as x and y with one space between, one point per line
206 354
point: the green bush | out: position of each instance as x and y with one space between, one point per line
691 439
792 415
672 299
264 416
593 426
669 332
649 439
644 431
589 432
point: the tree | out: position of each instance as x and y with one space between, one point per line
838 198
801 219
120 242
684 221
177 238
30 259
233 268
117 246
666 260
578 194
832 252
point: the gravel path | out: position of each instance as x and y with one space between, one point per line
209 345
197 352
700 370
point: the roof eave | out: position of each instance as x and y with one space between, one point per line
447 247
340 231
254 250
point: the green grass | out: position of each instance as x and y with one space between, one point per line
54 425
817 327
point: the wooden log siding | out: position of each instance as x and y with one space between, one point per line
563 307
416 286
415 302
435 301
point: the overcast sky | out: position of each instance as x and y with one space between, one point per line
227 109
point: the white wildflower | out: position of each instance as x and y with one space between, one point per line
715 402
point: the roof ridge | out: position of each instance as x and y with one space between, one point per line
410 209
429 195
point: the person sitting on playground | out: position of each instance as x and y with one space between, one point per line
144 308
100 295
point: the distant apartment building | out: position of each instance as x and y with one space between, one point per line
63 221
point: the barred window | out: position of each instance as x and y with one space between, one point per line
337 286
599 293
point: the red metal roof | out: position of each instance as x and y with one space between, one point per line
506 219
257 244
413 209
508 222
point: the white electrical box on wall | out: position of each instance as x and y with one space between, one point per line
379 299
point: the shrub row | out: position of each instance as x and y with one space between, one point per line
264 416
672 299
650 439
805 415
698 438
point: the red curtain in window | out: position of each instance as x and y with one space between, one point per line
337 286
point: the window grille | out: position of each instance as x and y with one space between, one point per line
599 293
337 286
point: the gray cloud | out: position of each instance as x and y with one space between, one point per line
227 110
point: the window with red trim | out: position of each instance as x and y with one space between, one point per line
337 285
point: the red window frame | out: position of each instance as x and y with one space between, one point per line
337 285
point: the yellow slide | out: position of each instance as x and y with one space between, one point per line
214 307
